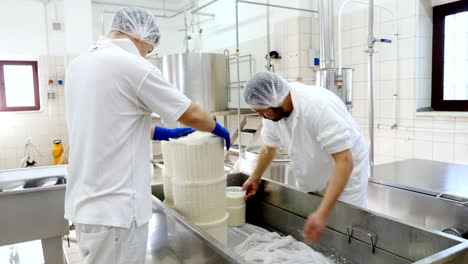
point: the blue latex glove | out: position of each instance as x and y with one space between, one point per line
161 133
220 131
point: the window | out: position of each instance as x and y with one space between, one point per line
450 57
19 87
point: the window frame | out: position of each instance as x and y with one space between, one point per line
438 41
37 103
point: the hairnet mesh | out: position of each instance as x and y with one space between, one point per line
265 90
137 23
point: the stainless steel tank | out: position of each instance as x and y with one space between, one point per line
343 87
200 76
278 169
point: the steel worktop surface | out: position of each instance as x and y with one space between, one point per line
425 176
171 239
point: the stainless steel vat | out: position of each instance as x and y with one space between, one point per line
341 86
200 76
277 171
353 235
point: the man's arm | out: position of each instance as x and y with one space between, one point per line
267 154
196 118
315 223
339 179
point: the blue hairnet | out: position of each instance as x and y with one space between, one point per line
138 23
265 90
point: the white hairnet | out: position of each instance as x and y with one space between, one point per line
138 23
265 90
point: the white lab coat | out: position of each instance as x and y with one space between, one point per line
318 127
110 93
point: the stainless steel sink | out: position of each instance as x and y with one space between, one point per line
353 234
35 210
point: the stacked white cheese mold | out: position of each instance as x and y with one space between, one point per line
167 172
235 198
195 165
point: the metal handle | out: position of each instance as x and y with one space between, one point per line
373 237
385 40
465 203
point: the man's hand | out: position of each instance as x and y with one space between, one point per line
315 223
221 131
162 133
315 226
251 187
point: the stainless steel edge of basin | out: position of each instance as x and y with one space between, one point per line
278 207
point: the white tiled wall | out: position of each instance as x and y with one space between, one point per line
42 126
425 137
293 38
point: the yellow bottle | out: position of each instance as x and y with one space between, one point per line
57 151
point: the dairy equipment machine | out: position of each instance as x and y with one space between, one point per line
337 80
200 76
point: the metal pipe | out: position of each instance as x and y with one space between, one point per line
396 72
238 88
327 60
268 58
183 10
203 6
140 6
250 65
203 14
46 23
370 50
243 56
177 12
384 126
278 6
186 38
340 56
228 75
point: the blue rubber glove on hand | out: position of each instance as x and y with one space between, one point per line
161 133
220 131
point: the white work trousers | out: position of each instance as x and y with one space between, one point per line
112 245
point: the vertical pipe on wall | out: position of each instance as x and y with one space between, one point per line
238 87
46 25
395 67
186 38
268 58
370 51
327 60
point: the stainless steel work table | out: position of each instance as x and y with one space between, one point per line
440 179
